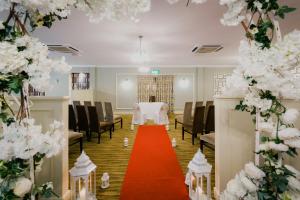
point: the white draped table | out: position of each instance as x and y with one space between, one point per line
156 111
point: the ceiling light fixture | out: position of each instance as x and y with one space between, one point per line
140 56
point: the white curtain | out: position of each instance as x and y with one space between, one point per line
161 87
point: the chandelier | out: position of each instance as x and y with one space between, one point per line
140 57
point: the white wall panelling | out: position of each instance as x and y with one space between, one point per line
105 85
126 89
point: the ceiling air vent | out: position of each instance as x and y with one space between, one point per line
206 49
64 49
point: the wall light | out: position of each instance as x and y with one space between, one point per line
184 83
126 84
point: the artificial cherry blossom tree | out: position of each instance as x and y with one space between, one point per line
265 76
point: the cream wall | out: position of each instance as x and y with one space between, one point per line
108 90
202 82
59 85
126 90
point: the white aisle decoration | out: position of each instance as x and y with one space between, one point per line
199 170
83 179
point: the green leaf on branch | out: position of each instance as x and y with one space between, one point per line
284 10
45 191
261 36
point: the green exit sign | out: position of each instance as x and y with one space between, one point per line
155 71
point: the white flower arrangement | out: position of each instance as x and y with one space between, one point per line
264 76
243 186
271 68
95 9
22 186
254 172
33 60
294 183
234 15
24 140
290 116
113 9
287 133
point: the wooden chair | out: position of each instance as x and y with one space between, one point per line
97 126
187 114
152 99
83 124
72 119
74 137
208 138
198 104
208 103
197 124
110 117
86 105
76 103
100 112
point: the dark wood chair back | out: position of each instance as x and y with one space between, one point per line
100 112
208 103
210 121
83 124
86 105
187 113
198 104
198 120
152 99
109 112
76 103
94 121
72 119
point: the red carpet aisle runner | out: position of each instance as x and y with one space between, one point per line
153 170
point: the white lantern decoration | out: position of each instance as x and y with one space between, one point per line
126 142
174 143
105 180
198 169
83 179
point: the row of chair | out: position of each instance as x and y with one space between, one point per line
187 116
90 119
109 115
202 121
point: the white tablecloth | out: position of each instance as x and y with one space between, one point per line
156 111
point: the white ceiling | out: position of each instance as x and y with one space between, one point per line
170 31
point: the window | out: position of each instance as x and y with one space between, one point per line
80 81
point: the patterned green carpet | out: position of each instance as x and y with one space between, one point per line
110 156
